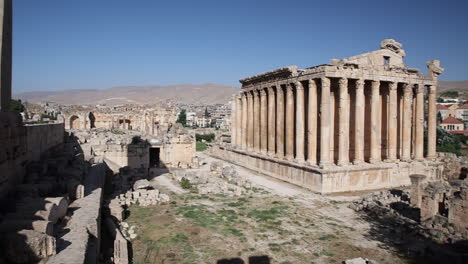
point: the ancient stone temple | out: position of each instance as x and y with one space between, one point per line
356 123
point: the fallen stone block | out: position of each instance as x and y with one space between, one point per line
28 246
41 226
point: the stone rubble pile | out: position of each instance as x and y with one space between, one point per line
454 167
38 209
218 180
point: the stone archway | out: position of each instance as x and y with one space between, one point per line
75 122
92 120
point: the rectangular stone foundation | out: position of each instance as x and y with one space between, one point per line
334 179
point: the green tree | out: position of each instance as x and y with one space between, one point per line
206 112
182 118
16 106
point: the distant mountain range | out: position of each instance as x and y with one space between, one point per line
460 86
183 93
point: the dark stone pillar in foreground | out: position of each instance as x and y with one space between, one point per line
6 54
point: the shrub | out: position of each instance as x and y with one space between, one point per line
206 137
185 184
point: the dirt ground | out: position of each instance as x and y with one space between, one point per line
274 221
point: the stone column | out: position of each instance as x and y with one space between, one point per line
271 121
343 116
250 114
289 122
407 117
312 124
233 121
375 147
359 115
263 121
419 151
244 121
432 123
300 120
325 123
392 122
239 120
6 54
279 122
256 120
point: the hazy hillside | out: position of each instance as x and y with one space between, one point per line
460 86
184 93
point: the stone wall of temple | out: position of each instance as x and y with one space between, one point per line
23 144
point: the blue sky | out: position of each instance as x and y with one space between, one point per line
93 44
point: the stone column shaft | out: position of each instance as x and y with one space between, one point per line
432 123
300 122
419 151
6 54
312 124
256 120
392 122
245 123
263 121
359 113
407 118
343 136
250 113
289 122
271 121
325 123
375 146
233 122
239 121
279 122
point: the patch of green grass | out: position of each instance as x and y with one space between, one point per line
327 237
201 146
178 238
269 214
140 212
233 231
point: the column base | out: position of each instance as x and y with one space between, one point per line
374 161
431 158
325 165
343 163
289 157
406 160
311 163
390 160
358 162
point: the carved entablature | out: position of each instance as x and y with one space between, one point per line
393 45
278 74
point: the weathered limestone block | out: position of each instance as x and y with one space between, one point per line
10 225
416 189
120 254
141 184
50 209
458 210
28 246
216 166
229 173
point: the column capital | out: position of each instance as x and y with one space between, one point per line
392 86
360 84
432 89
263 92
408 88
343 82
271 89
299 85
375 85
249 94
325 81
419 88
289 87
279 89
312 83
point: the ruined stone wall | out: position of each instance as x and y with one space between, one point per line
21 145
178 154
42 137
12 151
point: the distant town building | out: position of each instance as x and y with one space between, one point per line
451 124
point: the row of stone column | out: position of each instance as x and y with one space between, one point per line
272 121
